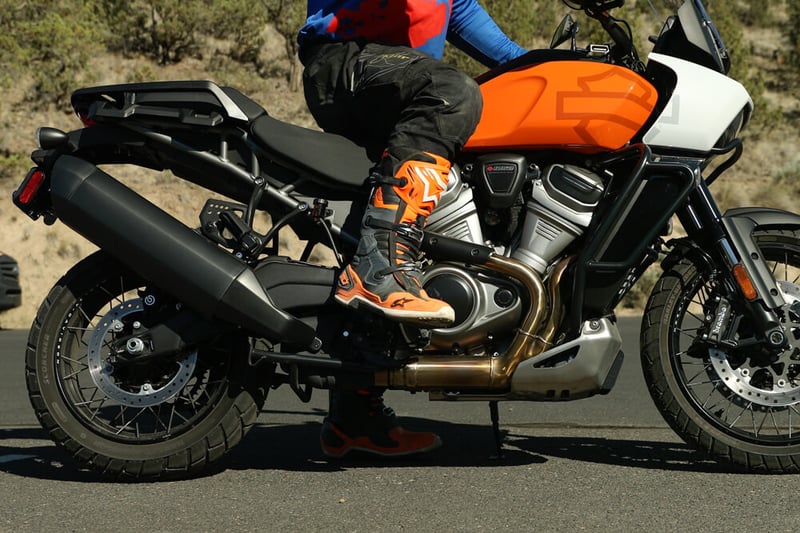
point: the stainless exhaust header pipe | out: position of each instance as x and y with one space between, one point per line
483 373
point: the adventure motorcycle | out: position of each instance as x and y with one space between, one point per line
152 357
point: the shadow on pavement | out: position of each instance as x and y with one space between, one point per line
651 455
47 461
295 448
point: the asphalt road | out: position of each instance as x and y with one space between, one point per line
601 464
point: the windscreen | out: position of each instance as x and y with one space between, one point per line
701 32
692 36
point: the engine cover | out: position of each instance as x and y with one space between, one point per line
500 178
484 306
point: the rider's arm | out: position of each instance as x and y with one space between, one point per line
473 31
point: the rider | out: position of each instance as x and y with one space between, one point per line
373 73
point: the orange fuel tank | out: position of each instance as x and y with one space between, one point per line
575 105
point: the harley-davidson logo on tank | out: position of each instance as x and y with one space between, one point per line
580 104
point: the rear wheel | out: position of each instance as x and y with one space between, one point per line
740 404
162 417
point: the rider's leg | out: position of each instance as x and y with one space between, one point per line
383 276
413 114
360 421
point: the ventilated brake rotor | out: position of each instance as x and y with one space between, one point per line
779 389
102 370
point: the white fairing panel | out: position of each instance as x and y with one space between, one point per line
703 105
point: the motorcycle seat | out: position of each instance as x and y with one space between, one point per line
329 157
325 156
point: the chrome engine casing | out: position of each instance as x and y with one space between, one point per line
473 295
456 215
485 306
560 209
489 307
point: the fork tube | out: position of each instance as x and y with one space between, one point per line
731 239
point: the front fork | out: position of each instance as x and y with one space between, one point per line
729 245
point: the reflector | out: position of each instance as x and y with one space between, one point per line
29 187
745 283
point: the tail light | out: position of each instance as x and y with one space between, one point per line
26 192
32 197
84 118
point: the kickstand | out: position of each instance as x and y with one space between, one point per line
498 436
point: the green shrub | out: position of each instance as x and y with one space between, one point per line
756 13
793 32
52 43
167 30
287 16
241 22
637 296
13 166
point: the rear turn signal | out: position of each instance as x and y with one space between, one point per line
745 283
49 138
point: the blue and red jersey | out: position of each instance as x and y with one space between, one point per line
424 25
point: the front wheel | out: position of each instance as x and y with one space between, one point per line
165 417
738 403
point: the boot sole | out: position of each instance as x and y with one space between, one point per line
440 319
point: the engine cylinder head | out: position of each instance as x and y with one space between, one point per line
562 206
456 215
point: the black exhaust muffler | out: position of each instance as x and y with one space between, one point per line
168 253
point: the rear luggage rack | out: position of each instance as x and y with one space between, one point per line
191 103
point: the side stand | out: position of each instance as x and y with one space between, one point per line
498 436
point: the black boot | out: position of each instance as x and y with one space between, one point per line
360 421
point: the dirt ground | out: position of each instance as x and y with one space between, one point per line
45 252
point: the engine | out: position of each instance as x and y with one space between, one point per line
559 207
558 212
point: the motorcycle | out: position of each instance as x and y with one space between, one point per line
152 357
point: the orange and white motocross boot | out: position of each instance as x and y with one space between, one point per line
383 276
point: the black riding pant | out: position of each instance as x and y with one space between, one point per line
390 98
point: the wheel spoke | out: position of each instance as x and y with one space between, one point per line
789 411
691 381
710 396
774 422
97 411
125 425
785 266
756 428
735 420
108 415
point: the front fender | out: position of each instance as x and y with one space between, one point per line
740 223
765 217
